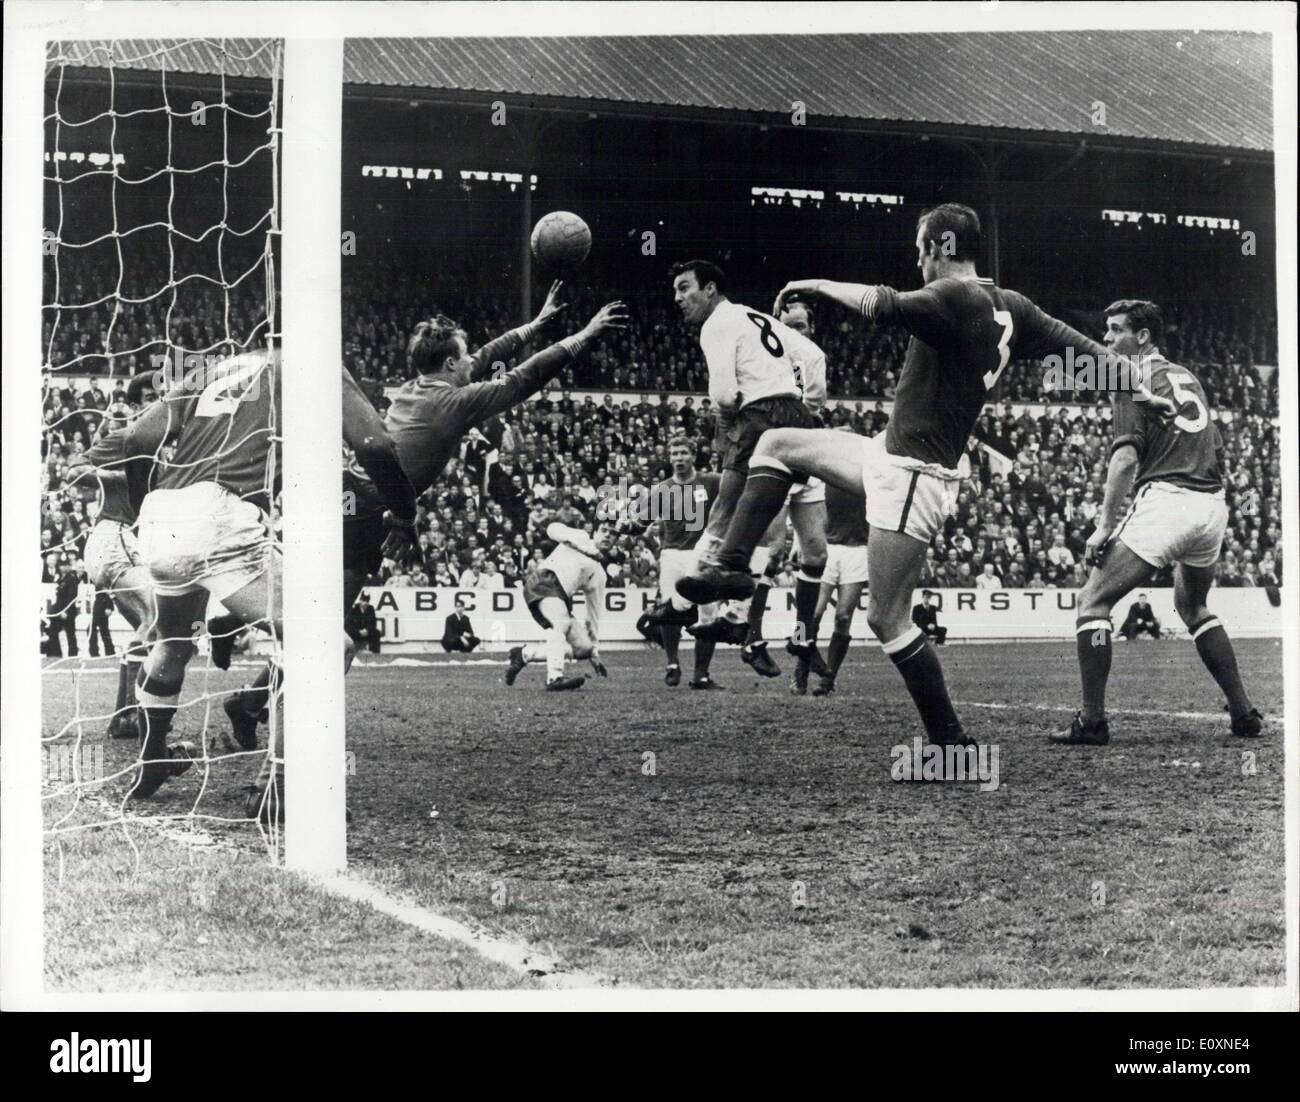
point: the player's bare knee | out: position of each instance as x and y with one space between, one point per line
843 621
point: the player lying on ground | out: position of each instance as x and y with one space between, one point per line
430 414
763 374
846 574
112 554
573 567
1178 515
964 332
204 529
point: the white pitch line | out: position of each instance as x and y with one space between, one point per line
1222 716
518 956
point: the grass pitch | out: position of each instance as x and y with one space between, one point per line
669 838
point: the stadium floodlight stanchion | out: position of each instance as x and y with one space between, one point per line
311 158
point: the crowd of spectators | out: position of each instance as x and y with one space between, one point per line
1022 518
657 353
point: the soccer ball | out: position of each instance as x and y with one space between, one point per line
561 241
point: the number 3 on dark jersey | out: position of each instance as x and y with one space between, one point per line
1003 318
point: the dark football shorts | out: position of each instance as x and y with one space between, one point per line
363 542
538 585
786 412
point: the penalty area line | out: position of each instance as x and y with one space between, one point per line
1155 714
518 956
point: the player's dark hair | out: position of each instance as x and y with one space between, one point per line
705 271
682 441
432 343
140 382
958 220
1141 314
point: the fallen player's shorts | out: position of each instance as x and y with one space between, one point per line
904 494
538 585
755 419
111 550
845 564
1172 524
203 537
363 542
807 493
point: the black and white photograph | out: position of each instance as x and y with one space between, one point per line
638 507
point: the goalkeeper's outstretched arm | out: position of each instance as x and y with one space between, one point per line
488 399
490 360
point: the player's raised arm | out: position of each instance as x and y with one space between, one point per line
1042 335
493 355
928 312
487 399
365 433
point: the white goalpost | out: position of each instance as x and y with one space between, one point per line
315 763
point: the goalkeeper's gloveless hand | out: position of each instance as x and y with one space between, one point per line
598 665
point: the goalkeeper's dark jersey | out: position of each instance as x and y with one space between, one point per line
428 417
229 420
489 363
1185 451
964 333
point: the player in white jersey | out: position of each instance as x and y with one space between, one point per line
763 374
573 567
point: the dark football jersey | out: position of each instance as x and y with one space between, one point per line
428 418
964 333
1185 451
229 420
123 495
846 518
682 509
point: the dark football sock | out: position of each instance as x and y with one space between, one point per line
757 607
923 676
807 588
838 649
157 726
1092 638
253 699
1215 649
765 492
703 656
126 676
672 636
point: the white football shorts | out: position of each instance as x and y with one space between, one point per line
1172 524
111 550
906 495
845 564
203 537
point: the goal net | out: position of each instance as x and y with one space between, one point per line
161 238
